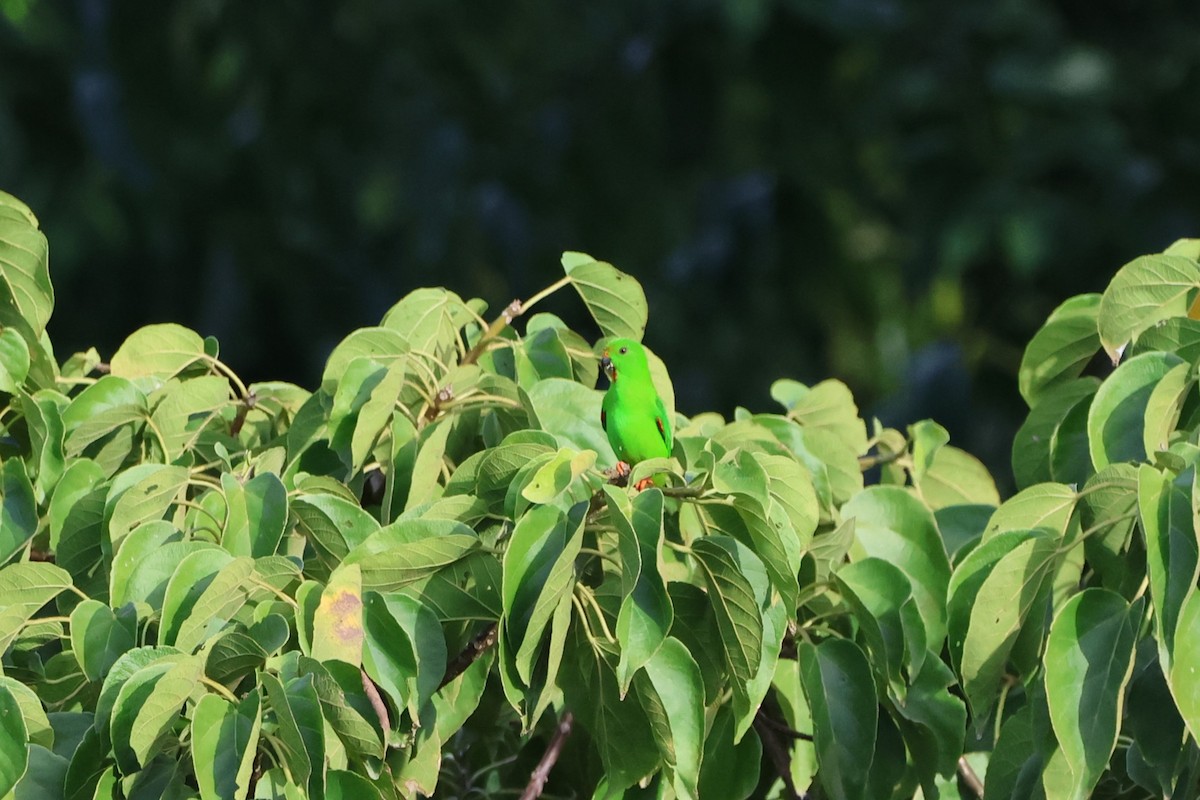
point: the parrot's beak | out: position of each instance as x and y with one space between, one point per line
609 370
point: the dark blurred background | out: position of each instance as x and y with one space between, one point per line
892 192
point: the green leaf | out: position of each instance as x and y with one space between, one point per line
615 300
388 654
880 596
646 615
1178 335
1089 658
673 681
1152 718
1031 449
932 720
18 508
620 731
345 785
1108 511
954 478
148 557
790 484
257 514
37 725
241 650
120 673
571 412
191 579
14 359
183 410
215 607
553 477
423 632
539 576
740 473
1183 676
338 624
363 406
383 345
332 525
224 744
1172 554
30 585
14 755
147 706
430 320
100 636
829 406
729 769
43 417
1116 424
891 524
410 550
928 438
1061 349
26 295
299 729
99 409
161 351
793 706
1164 406
997 591
841 695
1047 507
148 499
1143 292
360 738
90 761
722 562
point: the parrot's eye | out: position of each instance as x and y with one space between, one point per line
624 350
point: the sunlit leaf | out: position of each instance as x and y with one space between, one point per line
615 300
1089 658
1144 291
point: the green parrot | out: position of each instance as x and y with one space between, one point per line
632 414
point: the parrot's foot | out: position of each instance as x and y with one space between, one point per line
644 484
619 474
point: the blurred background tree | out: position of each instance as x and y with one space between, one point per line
893 192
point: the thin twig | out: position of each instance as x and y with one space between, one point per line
376 702
468 656
511 312
879 459
778 754
244 408
537 780
782 729
967 773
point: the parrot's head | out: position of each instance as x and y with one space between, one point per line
624 356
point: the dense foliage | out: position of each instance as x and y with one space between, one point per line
421 576
895 192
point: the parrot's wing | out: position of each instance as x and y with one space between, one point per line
663 422
604 419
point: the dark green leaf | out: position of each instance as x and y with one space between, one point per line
1062 348
1117 419
891 524
18 508
1172 555
99 636
224 744
841 694
1089 658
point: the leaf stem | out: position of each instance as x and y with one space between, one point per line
967 773
537 780
219 689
